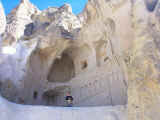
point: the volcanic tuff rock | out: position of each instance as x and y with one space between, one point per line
143 67
20 17
62 52
61 17
109 48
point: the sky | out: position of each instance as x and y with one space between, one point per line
77 5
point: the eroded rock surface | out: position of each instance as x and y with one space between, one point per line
56 51
143 91
112 46
61 52
20 17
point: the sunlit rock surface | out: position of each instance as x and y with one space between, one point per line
110 48
20 17
60 17
60 52
143 62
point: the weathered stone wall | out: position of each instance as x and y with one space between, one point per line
20 17
93 47
113 31
143 67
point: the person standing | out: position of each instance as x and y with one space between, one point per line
69 100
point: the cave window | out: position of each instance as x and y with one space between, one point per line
106 58
84 64
29 29
35 94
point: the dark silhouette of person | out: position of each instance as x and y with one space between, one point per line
69 100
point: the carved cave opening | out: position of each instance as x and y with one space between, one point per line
87 89
62 69
84 64
55 96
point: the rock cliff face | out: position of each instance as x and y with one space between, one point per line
59 52
143 91
60 17
20 17
110 48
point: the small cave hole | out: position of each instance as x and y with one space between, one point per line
106 58
35 94
84 64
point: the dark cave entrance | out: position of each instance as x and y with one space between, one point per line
62 69
61 72
55 96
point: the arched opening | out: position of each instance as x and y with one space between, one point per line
55 96
84 64
103 46
84 57
62 69
101 53
110 25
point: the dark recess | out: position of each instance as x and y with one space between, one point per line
151 5
35 94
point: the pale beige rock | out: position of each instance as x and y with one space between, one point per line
61 52
89 50
61 17
20 17
143 67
